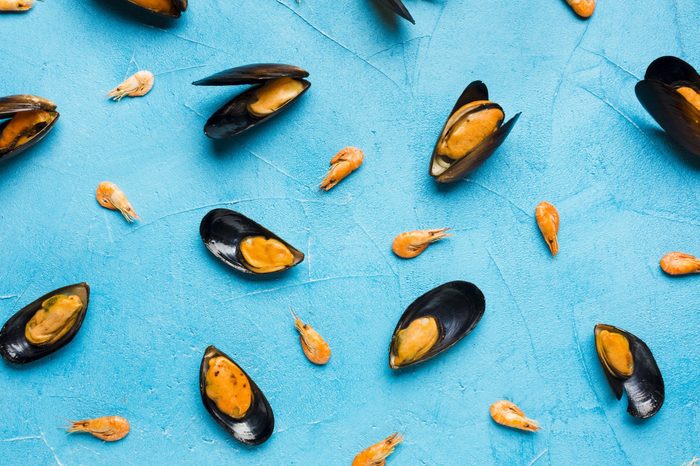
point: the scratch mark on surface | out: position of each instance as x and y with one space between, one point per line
566 69
175 70
53 452
497 194
537 458
19 439
193 110
8 296
619 112
614 63
376 246
654 214
187 39
278 169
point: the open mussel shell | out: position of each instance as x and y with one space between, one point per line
223 230
14 346
258 422
19 106
271 82
167 8
644 386
400 9
658 93
473 158
455 306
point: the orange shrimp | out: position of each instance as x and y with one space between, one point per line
548 221
111 197
583 8
508 414
377 454
16 5
108 428
680 263
136 85
342 164
315 347
411 243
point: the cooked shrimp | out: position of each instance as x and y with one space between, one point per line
111 197
315 347
548 221
680 263
411 243
583 8
108 428
136 85
16 5
342 164
377 454
508 414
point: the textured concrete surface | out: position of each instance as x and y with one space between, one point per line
625 194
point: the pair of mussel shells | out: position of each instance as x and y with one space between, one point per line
167 8
472 132
275 87
24 121
15 344
670 92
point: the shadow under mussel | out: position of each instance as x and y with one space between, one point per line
167 8
629 366
670 92
233 399
275 87
245 245
46 325
472 132
24 121
399 8
435 322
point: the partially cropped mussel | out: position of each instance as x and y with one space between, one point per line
400 9
473 131
169 8
629 366
275 87
233 399
245 245
46 325
670 92
435 322
24 121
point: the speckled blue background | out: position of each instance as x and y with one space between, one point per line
625 194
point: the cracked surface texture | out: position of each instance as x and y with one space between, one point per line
626 196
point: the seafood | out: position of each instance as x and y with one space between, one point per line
679 263
473 131
583 8
245 245
377 454
508 414
27 119
16 5
400 9
169 8
45 325
548 220
275 87
109 196
412 243
343 163
108 428
670 92
630 366
312 343
435 322
233 399
136 85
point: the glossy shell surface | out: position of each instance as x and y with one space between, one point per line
14 104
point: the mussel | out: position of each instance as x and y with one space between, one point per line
46 325
233 399
670 92
400 9
27 119
243 244
435 322
276 86
629 365
169 8
473 131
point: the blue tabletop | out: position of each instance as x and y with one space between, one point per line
625 194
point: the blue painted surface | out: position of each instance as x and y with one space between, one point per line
626 196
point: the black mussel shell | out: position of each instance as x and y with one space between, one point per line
257 424
456 306
222 230
15 348
14 104
252 74
475 91
400 9
177 8
645 387
658 94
